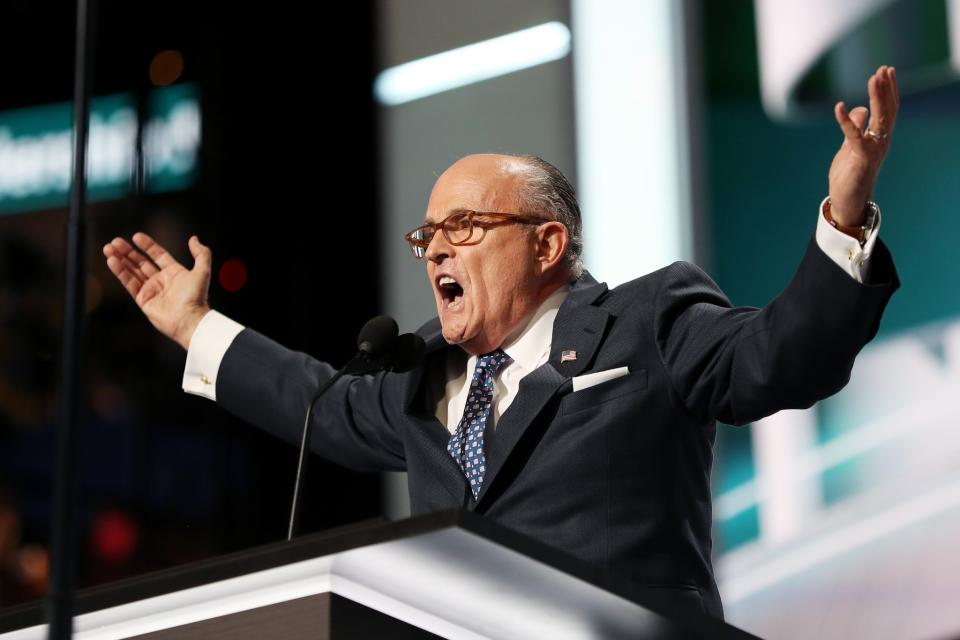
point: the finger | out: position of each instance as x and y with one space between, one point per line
143 263
119 247
154 250
132 268
116 265
859 116
202 256
849 128
891 98
896 89
885 91
127 279
122 248
122 251
878 112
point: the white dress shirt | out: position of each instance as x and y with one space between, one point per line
528 347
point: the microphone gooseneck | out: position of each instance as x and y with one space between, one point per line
378 348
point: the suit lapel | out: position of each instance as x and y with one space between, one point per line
431 436
536 390
578 328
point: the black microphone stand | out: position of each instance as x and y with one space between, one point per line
60 600
379 348
305 445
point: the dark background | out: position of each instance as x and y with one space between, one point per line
286 185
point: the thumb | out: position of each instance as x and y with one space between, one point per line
202 255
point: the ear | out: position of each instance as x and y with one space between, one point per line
552 239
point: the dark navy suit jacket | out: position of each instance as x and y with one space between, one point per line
617 474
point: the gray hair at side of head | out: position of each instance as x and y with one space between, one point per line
546 189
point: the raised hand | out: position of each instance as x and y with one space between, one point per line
172 297
853 173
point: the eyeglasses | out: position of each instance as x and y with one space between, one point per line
464 227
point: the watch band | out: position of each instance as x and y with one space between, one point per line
857 233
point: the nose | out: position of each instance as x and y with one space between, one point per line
439 248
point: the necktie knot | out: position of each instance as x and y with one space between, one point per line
489 363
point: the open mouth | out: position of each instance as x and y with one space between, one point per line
450 291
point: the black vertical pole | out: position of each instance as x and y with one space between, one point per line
60 600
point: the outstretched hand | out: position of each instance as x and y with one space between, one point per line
853 173
172 297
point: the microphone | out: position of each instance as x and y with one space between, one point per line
378 348
377 337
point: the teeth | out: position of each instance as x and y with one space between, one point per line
451 288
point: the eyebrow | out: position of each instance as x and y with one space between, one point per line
449 213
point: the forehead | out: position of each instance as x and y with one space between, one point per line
484 185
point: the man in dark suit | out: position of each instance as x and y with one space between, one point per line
581 416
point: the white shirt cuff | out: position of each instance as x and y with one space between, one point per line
209 343
845 250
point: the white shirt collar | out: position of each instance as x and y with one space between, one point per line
527 345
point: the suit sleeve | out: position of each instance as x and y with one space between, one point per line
740 364
270 386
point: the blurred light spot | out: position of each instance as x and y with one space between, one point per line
33 569
473 63
115 536
166 68
233 275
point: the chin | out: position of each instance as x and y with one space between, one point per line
462 338
453 335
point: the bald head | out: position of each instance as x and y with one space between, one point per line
533 186
491 177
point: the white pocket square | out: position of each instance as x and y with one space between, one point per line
589 379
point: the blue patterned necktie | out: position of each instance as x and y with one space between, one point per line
466 443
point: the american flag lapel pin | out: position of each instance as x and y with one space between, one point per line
568 356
